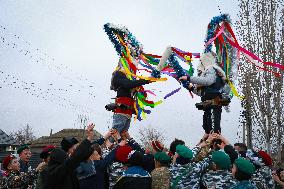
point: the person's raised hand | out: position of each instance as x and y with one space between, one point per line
212 136
108 134
205 136
40 166
109 144
182 78
115 134
90 132
225 141
122 143
125 135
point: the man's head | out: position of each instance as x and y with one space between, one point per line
241 148
97 153
45 153
69 144
242 169
221 160
266 158
122 153
10 163
184 154
24 153
162 159
157 146
174 145
216 143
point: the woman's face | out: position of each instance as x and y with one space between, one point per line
14 165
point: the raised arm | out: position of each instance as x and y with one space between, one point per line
122 81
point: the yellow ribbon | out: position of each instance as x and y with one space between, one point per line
123 61
187 58
136 112
233 88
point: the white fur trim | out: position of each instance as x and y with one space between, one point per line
167 53
207 59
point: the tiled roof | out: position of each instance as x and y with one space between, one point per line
6 139
56 138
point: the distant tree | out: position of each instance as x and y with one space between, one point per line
24 135
261 31
148 134
82 121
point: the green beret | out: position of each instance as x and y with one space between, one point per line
184 151
22 148
221 159
162 157
244 166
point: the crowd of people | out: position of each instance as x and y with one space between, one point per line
123 163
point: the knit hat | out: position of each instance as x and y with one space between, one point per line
46 151
244 166
221 159
162 157
7 160
22 148
68 142
265 157
184 151
122 153
135 158
157 146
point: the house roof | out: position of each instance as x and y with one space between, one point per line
6 139
55 139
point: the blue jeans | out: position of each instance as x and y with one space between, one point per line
120 122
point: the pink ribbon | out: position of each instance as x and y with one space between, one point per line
236 45
253 55
218 34
148 91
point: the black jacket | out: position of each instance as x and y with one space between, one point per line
134 183
98 181
61 168
123 85
135 177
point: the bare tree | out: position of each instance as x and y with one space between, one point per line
24 135
82 121
148 134
261 30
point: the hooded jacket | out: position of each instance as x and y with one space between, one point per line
61 168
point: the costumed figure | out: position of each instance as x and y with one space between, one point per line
124 102
215 72
124 79
209 84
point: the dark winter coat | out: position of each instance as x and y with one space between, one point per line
24 166
148 159
97 180
134 177
123 85
61 168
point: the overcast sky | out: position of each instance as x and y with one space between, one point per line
56 62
